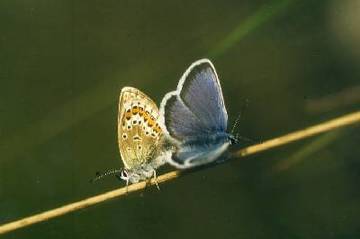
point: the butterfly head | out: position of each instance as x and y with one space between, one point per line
132 175
124 175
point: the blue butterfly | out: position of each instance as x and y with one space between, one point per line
194 117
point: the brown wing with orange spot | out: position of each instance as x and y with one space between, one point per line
139 134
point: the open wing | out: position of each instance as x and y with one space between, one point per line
197 107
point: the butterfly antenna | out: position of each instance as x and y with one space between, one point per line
242 138
99 176
239 116
236 123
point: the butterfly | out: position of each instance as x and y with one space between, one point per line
140 136
194 117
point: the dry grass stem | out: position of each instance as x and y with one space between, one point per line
323 127
342 121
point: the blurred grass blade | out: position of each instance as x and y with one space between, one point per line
309 149
265 13
65 116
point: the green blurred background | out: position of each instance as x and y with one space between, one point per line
63 63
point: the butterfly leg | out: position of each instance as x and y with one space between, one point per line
127 186
127 182
155 180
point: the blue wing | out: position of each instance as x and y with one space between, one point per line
180 121
195 116
197 107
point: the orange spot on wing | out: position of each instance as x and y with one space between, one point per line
128 114
141 111
146 117
157 129
135 110
151 123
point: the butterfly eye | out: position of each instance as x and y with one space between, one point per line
124 175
